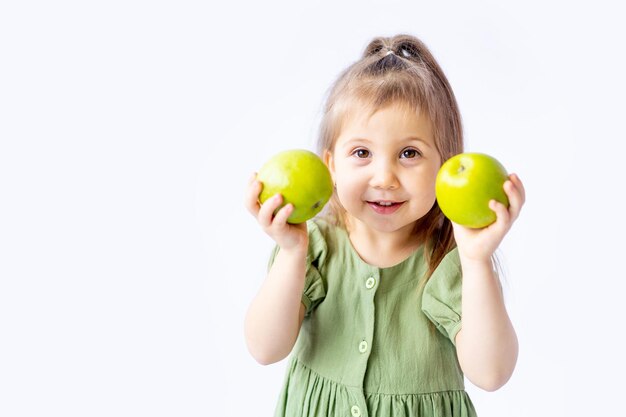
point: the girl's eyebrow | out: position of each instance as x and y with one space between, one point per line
407 139
418 139
352 140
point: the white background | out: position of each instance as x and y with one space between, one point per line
129 129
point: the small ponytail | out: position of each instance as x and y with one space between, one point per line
409 48
374 47
402 46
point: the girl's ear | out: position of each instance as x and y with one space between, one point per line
330 163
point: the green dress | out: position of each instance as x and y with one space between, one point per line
373 342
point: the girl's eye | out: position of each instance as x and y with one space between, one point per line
410 153
361 153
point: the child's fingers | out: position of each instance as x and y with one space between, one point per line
516 198
252 195
266 212
280 219
519 186
502 213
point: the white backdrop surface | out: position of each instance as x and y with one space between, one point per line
128 130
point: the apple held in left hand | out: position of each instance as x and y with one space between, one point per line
464 186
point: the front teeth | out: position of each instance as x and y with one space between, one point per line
384 204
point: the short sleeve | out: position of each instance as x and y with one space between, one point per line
441 301
314 286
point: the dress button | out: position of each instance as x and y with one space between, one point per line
356 411
369 284
363 346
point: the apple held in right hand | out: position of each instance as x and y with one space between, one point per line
464 186
302 179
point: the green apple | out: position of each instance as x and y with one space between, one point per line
303 180
464 186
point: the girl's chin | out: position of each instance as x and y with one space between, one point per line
385 225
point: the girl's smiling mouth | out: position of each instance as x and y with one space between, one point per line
385 207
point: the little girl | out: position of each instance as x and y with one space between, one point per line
368 298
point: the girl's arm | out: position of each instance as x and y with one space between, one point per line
487 345
274 318
275 315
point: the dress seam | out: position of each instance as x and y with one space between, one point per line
303 364
417 393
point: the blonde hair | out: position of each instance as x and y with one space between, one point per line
398 70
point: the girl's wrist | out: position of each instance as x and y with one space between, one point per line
299 249
472 255
475 264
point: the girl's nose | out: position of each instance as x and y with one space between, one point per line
384 178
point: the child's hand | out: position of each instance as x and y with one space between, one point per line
480 244
287 236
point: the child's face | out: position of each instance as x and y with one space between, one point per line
388 158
